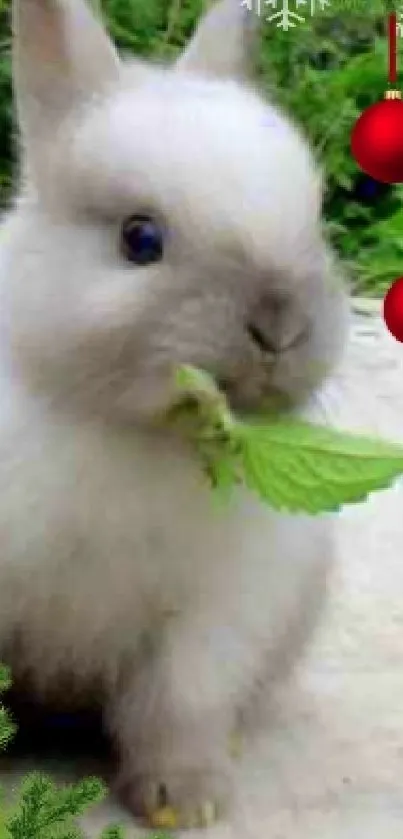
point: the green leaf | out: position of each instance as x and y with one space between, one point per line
299 467
192 382
292 465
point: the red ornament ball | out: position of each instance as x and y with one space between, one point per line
377 141
393 310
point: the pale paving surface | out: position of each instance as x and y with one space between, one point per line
332 765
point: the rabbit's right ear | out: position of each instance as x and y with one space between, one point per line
223 42
61 56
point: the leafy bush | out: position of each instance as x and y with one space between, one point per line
326 71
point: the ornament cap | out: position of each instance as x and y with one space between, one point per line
393 94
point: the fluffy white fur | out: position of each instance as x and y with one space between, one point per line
116 569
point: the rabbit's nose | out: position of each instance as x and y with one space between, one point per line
276 326
277 343
265 324
266 343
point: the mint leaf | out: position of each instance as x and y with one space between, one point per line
300 467
212 404
292 465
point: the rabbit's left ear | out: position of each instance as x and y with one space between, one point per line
222 45
61 57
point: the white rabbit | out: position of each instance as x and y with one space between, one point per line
166 214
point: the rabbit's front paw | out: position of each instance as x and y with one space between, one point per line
173 800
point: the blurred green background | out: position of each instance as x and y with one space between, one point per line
326 70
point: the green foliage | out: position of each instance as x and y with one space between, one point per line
327 74
7 727
326 71
43 810
48 812
290 464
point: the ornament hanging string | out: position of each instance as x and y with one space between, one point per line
392 48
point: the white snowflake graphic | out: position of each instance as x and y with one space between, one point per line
287 15
399 23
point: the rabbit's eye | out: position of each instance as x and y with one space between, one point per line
142 240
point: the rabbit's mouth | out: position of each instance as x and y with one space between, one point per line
243 400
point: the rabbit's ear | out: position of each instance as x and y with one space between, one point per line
61 55
223 41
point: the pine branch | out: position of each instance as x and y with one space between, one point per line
7 726
44 808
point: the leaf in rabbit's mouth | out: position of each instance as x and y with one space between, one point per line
290 464
245 406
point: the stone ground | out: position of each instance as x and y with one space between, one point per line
331 765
